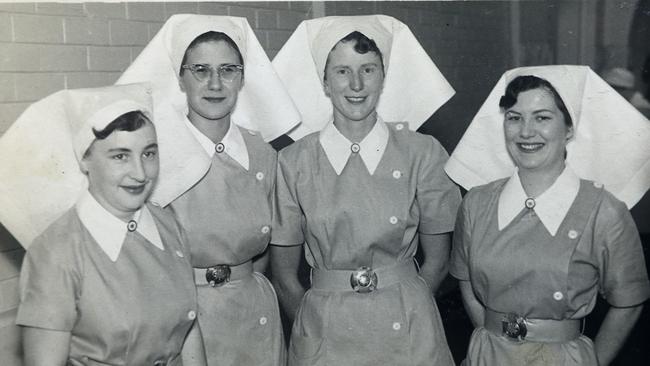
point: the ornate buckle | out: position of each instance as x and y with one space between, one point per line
218 275
514 326
363 280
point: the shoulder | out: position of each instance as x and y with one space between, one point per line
609 208
255 142
485 192
60 240
416 141
161 216
299 147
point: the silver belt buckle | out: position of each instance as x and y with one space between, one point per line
218 275
363 280
514 326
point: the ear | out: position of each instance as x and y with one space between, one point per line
180 83
326 88
569 133
83 166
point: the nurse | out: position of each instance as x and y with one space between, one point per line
362 195
533 248
218 100
109 281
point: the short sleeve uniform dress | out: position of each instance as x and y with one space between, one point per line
134 310
227 217
522 268
369 214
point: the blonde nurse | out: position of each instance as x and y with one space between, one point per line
361 194
554 158
218 102
109 280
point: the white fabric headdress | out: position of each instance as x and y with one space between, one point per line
262 105
39 153
610 143
414 88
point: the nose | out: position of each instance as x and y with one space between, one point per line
214 82
356 82
137 170
527 129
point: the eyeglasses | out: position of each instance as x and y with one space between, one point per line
204 72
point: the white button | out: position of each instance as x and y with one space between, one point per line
399 126
598 185
558 296
393 220
265 229
191 315
132 225
219 148
397 326
259 175
355 148
263 320
397 174
572 234
179 253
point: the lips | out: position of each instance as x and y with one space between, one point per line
214 99
355 100
530 147
134 189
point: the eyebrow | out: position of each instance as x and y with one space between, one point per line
119 149
151 145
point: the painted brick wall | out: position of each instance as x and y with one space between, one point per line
51 46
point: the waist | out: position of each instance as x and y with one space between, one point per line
534 330
345 280
221 274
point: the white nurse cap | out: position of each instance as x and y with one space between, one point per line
414 88
39 153
610 143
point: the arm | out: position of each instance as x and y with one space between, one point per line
473 307
193 353
614 330
435 250
44 347
285 262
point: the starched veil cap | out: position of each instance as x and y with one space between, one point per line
39 154
262 105
610 143
414 87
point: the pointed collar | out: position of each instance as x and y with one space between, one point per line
109 232
338 148
551 206
233 143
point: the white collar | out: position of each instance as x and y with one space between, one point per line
338 148
233 143
109 231
551 206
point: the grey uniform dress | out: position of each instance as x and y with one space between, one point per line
523 269
134 311
227 217
355 219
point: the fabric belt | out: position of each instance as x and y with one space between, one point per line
536 330
339 280
237 272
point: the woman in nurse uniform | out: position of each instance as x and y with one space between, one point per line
218 101
362 194
109 281
534 247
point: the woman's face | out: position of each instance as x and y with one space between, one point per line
353 82
212 99
122 170
536 133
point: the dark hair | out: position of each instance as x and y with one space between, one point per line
211 36
130 121
530 82
362 46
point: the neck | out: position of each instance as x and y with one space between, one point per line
536 182
355 131
215 130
